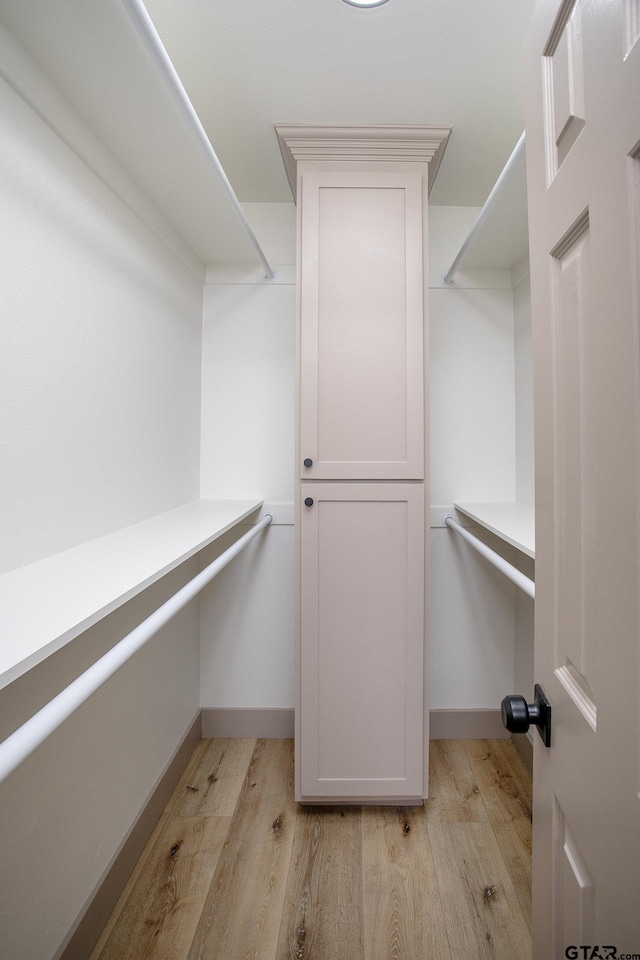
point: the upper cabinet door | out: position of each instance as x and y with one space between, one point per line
362 324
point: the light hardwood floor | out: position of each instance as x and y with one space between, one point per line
236 870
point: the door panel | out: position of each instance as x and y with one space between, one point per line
583 130
361 336
576 890
564 85
362 639
572 340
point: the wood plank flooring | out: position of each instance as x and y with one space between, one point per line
236 870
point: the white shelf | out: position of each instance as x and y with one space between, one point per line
85 70
46 604
512 522
503 240
499 238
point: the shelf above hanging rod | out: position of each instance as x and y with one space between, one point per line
511 521
78 587
511 167
156 49
28 737
513 574
88 72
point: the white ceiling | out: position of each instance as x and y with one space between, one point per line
250 64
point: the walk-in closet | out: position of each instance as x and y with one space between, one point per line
290 293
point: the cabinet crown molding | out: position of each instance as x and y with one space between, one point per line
417 143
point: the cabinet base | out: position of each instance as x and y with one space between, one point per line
361 801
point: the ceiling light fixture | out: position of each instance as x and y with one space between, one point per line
365 3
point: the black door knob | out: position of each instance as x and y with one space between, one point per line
308 502
518 715
308 462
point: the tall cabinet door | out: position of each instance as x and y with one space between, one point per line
361 330
362 642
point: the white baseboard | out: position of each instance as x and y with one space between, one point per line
524 746
276 722
84 934
267 723
482 724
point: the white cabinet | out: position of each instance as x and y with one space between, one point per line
362 653
362 330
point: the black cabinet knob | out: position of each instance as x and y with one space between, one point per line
518 715
308 501
308 462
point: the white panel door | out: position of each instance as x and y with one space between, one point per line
583 156
361 715
362 305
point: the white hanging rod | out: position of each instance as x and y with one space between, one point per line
508 171
42 724
520 580
145 27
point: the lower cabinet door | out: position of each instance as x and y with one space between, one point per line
361 697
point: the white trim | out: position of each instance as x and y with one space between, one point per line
467 724
308 142
267 722
255 722
90 922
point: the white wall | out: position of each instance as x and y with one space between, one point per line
248 399
99 354
100 386
472 627
247 620
472 458
472 395
248 413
